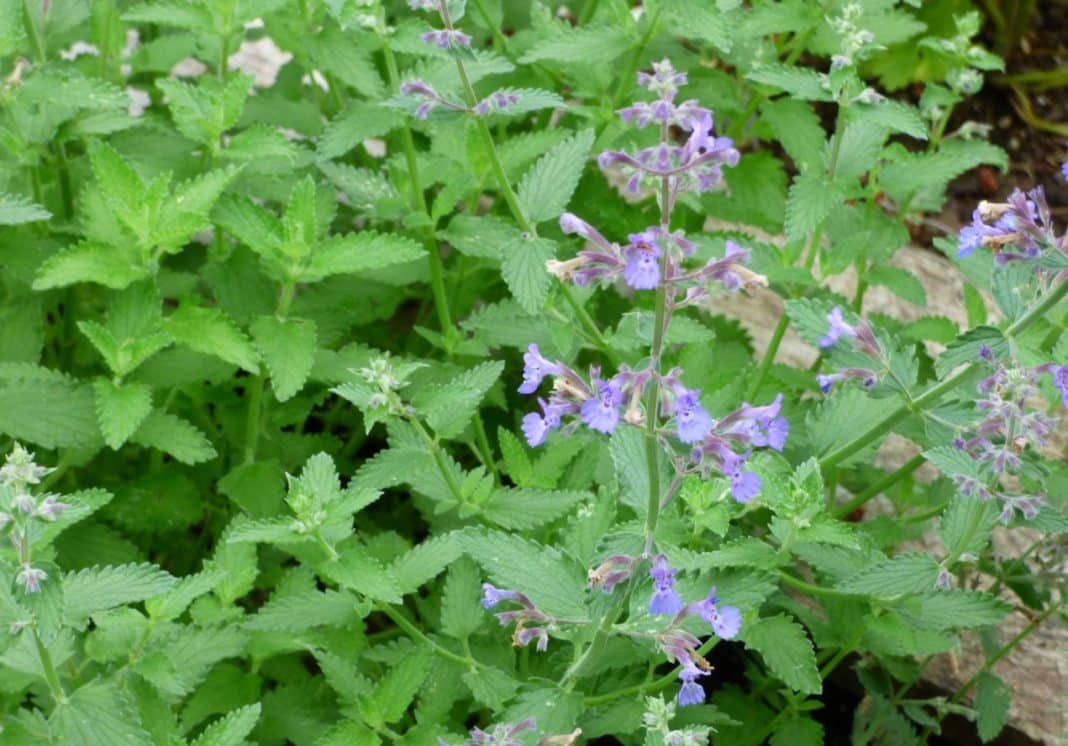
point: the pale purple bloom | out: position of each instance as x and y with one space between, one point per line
24 503
745 485
726 620
665 600
50 508
535 368
447 38
30 578
642 271
837 328
601 413
1060 380
526 634
691 693
500 735
537 426
611 572
491 596
692 422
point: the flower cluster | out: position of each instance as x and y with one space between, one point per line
703 444
1008 428
526 615
856 42
863 340
694 166
1017 230
17 475
506 734
681 646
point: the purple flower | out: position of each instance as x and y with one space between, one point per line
1060 380
826 381
745 485
50 508
691 420
537 426
535 368
837 328
447 38
491 596
523 636
601 413
726 620
664 600
691 693
642 271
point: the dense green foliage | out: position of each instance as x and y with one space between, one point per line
266 331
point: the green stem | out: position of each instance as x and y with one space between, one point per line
626 80
417 636
483 447
811 589
888 481
255 400
937 391
33 31
418 198
51 677
990 663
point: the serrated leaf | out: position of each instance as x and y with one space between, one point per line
516 461
810 200
16 210
967 518
175 436
900 282
521 509
627 446
546 188
449 407
461 612
189 588
357 570
965 348
523 268
553 581
120 410
957 610
186 15
491 687
359 252
297 612
288 350
231 730
859 149
993 698
98 588
98 714
204 111
210 331
483 236
425 561
896 116
89 261
906 573
694 21
786 649
358 122
51 412
398 687
799 82
797 128
587 44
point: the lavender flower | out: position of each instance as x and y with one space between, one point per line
690 693
496 101
30 578
530 623
680 646
611 572
837 328
535 368
491 596
500 735
866 376
726 620
1064 170
1016 230
446 38
1060 380
642 270
51 508
601 413
692 422
665 600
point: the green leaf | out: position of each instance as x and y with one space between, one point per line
449 407
121 187
627 446
553 581
965 348
785 647
896 116
425 561
398 687
461 612
483 236
810 200
288 350
934 328
188 589
179 14
516 461
906 573
357 570
98 714
695 21
967 518
359 252
16 210
99 588
799 82
211 331
957 609
797 731
90 261
297 612
586 44
993 698
521 509
524 270
231 730
203 112
120 409
43 407
358 122
491 687
797 128
175 436
900 282
546 188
